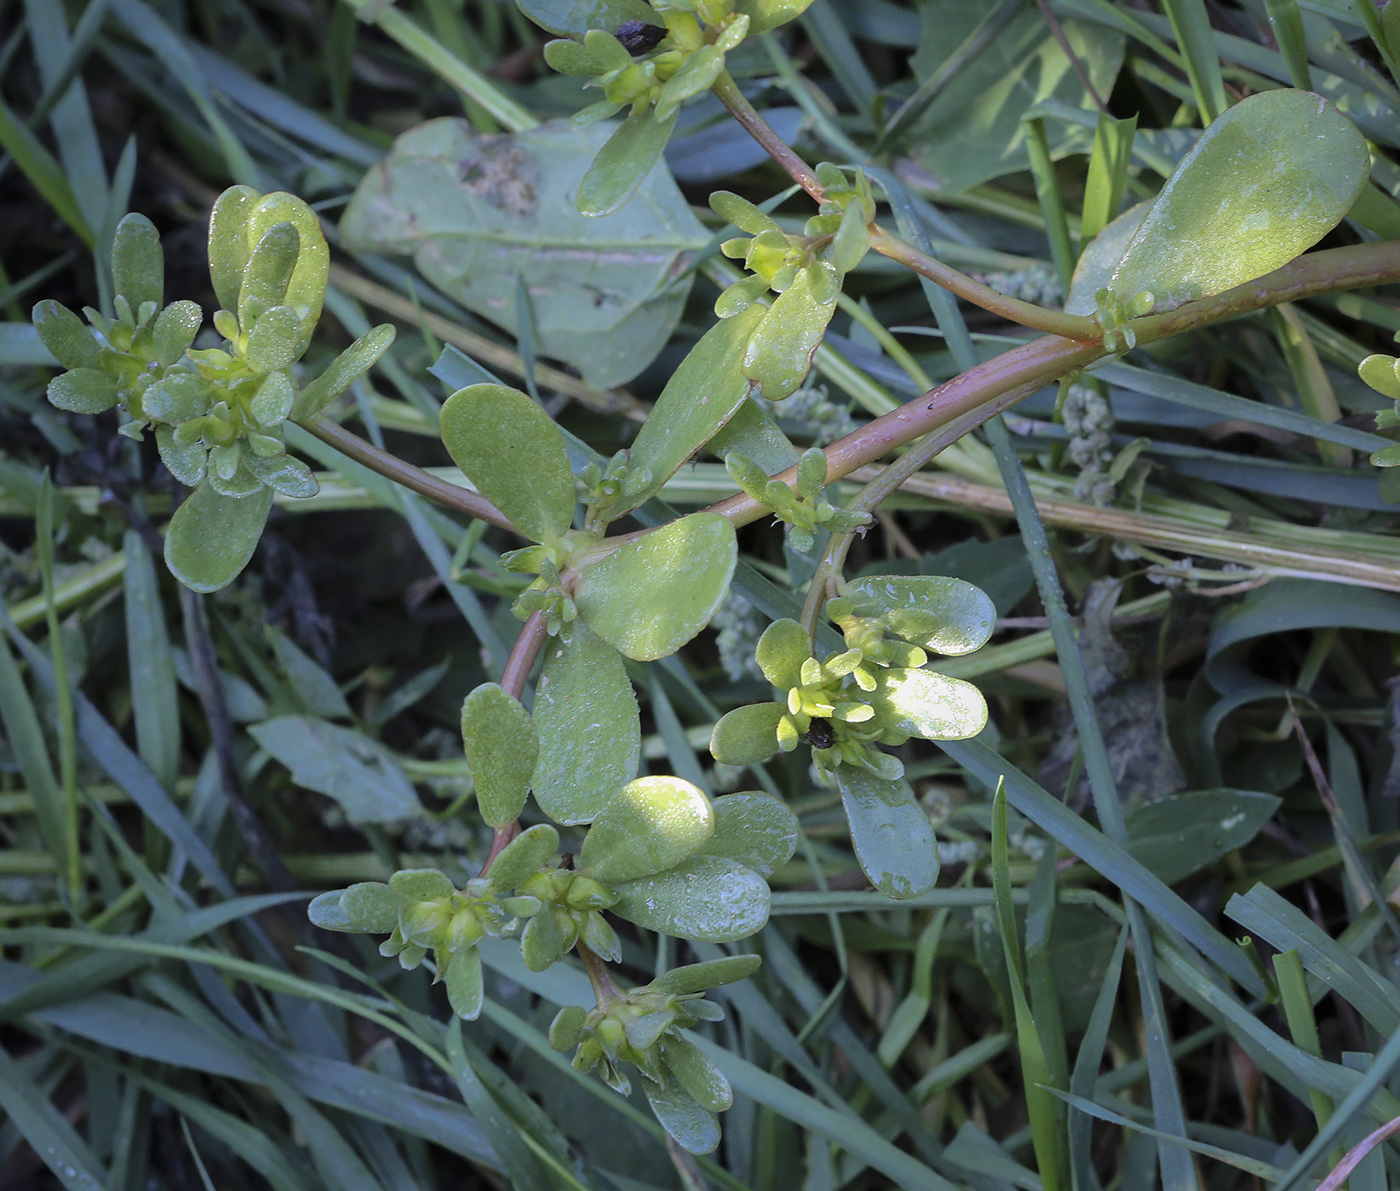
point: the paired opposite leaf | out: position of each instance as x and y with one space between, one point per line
650 597
624 162
707 898
780 353
212 537
949 616
648 826
1266 181
502 750
892 835
511 450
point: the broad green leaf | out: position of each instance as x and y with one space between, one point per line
421 884
755 829
83 391
326 912
769 14
574 18
971 130
891 833
464 984
589 728
273 341
228 242
706 898
692 1125
524 856
273 400
1266 181
747 735
344 370
699 70
541 942
282 473
648 826
694 978
697 1074
1380 373
513 452
780 352
65 335
742 213
949 616
1179 835
306 289
138 264
622 165
178 397
781 651
928 704
372 906
753 433
358 773
702 395
271 261
174 330
212 537
650 597
1100 258
502 750
480 212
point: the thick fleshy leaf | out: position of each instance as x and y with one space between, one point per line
624 162
1380 373
502 750
271 261
274 341
573 18
707 898
138 264
273 400
769 14
1266 181
306 289
178 397
589 728
647 827
1099 260
699 70
693 1126
755 829
83 391
694 978
524 856
742 213
779 355
928 704
282 473
704 392
511 450
185 461
327 912
65 335
370 906
464 983
949 616
212 537
781 651
421 884
891 833
541 942
654 594
344 370
174 330
228 242
697 1074
747 735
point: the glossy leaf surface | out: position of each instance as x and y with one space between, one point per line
502 750
648 826
949 616
622 165
755 829
654 594
573 18
747 735
707 898
891 833
692 1125
694 978
212 537
928 704
779 354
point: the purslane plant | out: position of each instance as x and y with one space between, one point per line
656 851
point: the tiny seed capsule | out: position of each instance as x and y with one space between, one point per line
638 37
820 735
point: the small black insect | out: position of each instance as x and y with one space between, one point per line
638 37
820 735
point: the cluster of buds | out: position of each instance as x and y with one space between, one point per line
603 489
571 912
1114 315
660 66
546 594
807 510
1037 282
1382 373
1088 418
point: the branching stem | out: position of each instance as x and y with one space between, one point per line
727 92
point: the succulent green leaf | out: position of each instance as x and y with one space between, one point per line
275 340
697 73
83 391
781 651
852 238
648 826
185 461
769 14
271 260
327 912
1100 258
709 898
704 392
464 983
174 330
693 1126
697 1074
928 704
1386 456
371 906
228 242
567 1027
421 884
524 856
755 829
573 18
344 370
569 57
502 750
138 264
306 288
650 597
891 833
742 213
949 616
1266 181
513 453
696 978
212 536
283 474
588 724
780 353
746 735
622 165
178 397
1379 372
541 942
65 335
273 401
